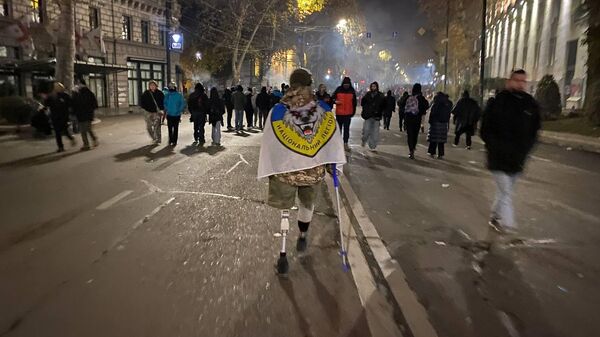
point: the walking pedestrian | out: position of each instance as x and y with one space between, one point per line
152 101
84 105
239 103
401 105
298 172
466 115
373 104
439 119
344 98
509 129
249 109
415 107
276 96
59 103
322 95
174 106
263 104
199 107
215 117
390 107
229 105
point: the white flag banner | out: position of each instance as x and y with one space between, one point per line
300 138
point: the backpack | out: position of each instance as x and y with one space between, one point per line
412 105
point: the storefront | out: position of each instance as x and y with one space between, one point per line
139 74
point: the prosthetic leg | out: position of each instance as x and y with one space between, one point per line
282 262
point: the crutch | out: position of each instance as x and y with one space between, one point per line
344 245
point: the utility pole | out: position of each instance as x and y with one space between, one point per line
447 42
483 56
168 5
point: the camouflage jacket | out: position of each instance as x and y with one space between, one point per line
306 177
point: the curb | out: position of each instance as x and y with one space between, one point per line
584 143
384 268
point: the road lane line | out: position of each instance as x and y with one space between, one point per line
581 214
378 310
108 203
413 311
541 159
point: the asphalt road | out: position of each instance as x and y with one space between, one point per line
432 215
135 240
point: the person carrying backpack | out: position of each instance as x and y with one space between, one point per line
415 107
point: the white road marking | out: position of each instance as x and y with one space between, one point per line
207 194
151 187
581 214
151 214
541 159
378 310
108 203
415 314
242 160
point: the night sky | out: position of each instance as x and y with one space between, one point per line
384 17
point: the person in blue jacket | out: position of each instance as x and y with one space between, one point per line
174 106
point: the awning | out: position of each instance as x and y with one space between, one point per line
81 67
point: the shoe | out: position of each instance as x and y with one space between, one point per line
301 244
411 156
440 157
85 148
454 145
95 142
218 144
346 147
363 143
431 155
468 147
195 143
60 150
373 151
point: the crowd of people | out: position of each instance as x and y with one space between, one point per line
61 107
509 122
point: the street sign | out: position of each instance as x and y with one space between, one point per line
176 42
368 35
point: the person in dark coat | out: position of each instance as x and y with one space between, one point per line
152 101
239 104
84 105
415 107
466 115
344 98
263 104
401 104
390 107
249 109
199 107
276 96
509 129
323 95
439 119
229 105
373 104
60 105
215 118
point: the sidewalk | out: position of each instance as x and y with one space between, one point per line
572 141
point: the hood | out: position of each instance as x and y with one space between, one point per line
347 80
416 90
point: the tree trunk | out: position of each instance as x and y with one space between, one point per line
65 45
592 92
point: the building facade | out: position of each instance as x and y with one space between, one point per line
542 37
120 46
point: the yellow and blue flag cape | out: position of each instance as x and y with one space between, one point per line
288 147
